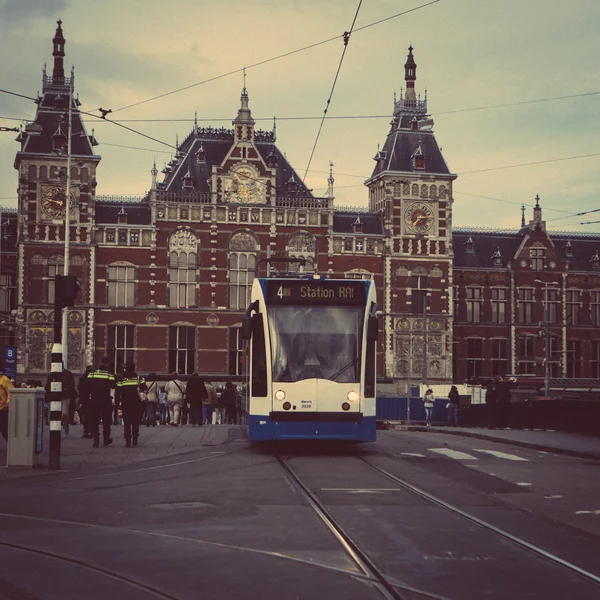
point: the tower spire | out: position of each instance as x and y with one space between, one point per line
58 52
522 215
330 181
410 76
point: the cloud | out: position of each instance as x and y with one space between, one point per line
17 14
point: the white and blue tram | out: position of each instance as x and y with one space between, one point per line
312 359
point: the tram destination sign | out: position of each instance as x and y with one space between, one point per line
316 292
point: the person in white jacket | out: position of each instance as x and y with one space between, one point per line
175 390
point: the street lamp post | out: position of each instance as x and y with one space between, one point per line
546 336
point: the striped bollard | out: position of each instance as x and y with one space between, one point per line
56 371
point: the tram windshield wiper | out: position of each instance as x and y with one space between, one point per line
343 369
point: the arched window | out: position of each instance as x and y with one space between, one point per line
303 245
242 266
183 262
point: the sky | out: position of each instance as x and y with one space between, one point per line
497 74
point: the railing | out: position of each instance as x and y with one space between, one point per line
355 209
115 199
184 197
56 82
302 202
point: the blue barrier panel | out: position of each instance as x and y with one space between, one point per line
394 409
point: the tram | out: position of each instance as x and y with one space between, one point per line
312 359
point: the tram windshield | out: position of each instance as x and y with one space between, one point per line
321 342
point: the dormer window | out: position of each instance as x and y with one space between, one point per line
59 140
568 249
122 216
291 185
497 258
470 246
201 155
187 181
357 226
595 262
418 158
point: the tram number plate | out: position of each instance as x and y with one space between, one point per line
305 404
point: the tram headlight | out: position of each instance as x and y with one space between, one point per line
346 406
352 396
280 395
287 406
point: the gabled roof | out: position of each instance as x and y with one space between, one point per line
215 144
138 213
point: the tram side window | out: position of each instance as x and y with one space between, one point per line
259 358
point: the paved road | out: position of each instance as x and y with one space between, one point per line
199 512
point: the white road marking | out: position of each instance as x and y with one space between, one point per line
457 455
587 512
552 496
504 455
412 454
524 484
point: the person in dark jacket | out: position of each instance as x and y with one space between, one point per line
453 405
196 394
490 401
229 401
503 401
100 383
84 404
127 398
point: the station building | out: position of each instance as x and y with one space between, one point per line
165 277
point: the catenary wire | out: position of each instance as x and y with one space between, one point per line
347 36
272 59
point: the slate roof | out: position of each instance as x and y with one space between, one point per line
486 243
399 148
51 117
137 214
8 230
216 143
343 222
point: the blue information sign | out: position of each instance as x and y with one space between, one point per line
10 361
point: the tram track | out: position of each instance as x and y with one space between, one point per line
540 552
390 587
372 573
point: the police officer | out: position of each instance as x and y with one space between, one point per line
99 384
128 400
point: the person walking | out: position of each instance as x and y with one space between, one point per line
428 404
128 399
453 405
196 393
101 383
5 385
84 403
175 389
163 409
503 402
208 404
152 399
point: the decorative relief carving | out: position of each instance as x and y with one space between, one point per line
183 240
402 272
212 320
417 367
243 242
403 324
435 368
152 318
301 242
436 272
402 367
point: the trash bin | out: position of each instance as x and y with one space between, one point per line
25 427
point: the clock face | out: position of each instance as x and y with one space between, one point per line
54 202
418 217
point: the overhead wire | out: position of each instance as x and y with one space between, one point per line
347 35
272 59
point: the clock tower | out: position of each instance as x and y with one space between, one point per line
411 187
41 163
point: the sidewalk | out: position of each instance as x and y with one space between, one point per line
78 453
549 441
